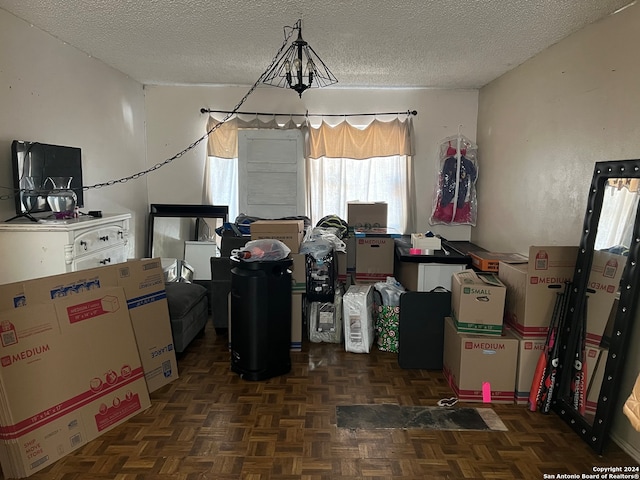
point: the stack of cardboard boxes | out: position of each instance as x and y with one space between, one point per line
372 245
499 325
532 288
480 356
485 358
79 354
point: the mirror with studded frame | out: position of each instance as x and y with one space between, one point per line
602 303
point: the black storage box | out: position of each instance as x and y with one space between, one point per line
421 328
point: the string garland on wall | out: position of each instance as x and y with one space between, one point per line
228 115
157 166
209 132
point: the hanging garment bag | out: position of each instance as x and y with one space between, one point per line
421 328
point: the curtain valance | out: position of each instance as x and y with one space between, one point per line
223 141
378 139
630 184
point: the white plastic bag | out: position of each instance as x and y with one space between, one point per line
265 249
390 291
320 241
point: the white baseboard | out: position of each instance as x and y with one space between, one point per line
631 450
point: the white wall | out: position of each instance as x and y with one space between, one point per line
52 93
541 128
174 121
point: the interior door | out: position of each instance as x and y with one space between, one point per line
271 178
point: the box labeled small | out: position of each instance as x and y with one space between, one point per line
477 302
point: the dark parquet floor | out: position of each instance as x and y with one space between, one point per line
212 425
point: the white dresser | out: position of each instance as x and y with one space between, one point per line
32 250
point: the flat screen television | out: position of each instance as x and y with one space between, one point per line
33 163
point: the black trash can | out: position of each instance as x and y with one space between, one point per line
261 318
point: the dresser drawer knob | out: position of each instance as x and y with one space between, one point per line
105 261
104 238
83 244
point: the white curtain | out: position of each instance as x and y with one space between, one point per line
346 163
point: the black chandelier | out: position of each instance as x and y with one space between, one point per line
299 67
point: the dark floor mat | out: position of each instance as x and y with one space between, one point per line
430 418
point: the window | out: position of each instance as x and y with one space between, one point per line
221 182
371 163
335 181
344 163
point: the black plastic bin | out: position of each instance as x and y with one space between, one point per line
260 318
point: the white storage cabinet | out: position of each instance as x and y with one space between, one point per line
32 250
424 277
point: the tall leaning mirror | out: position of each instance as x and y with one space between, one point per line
602 304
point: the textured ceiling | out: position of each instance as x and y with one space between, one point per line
365 43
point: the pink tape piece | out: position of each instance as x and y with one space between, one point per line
486 392
415 251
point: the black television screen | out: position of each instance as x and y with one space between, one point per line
33 164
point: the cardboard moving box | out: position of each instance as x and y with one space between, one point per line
480 368
375 253
298 273
289 232
490 261
366 215
143 283
532 287
81 351
12 296
297 314
529 350
477 302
